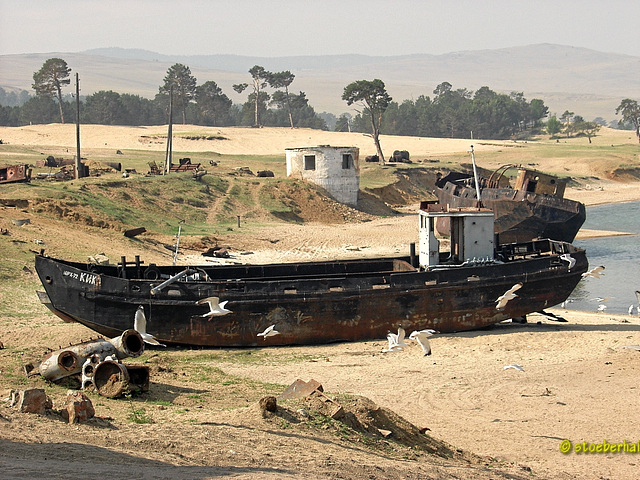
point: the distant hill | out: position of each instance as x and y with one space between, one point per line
587 82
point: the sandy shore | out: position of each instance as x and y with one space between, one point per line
579 383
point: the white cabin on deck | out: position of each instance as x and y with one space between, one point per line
470 231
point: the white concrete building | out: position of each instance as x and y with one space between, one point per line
336 169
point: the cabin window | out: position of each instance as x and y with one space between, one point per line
309 162
531 186
346 161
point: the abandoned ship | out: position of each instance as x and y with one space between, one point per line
534 207
447 286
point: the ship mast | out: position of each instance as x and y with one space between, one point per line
476 179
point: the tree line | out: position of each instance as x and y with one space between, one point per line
452 113
204 104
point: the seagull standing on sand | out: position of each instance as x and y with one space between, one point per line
421 336
595 272
215 307
140 326
269 332
503 299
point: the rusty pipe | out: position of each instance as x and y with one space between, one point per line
70 360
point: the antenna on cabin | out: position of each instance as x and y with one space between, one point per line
475 178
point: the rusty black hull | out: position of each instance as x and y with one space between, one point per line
520 216
310 303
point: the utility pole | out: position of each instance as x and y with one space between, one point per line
167 161
79 173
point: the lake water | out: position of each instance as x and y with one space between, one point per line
620 256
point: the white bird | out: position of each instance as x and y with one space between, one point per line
503 299
569 259
515 366
215 308
602 307
140 326
393 346
601 299
397 339
595 272
631 309
269 332
421 336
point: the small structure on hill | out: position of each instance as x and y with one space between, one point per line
336 169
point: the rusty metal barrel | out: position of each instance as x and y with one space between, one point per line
111 378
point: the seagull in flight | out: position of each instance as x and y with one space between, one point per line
510 294
397 339
595 272
601 299
216 308
569 259
515 366
140 326
269 332
421 336
393 346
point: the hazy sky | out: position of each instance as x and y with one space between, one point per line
316 27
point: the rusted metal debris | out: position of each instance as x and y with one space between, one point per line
313 390
153 168
219 252
132 232
185 165
96 364
300 389
53 162
15 173
65 173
